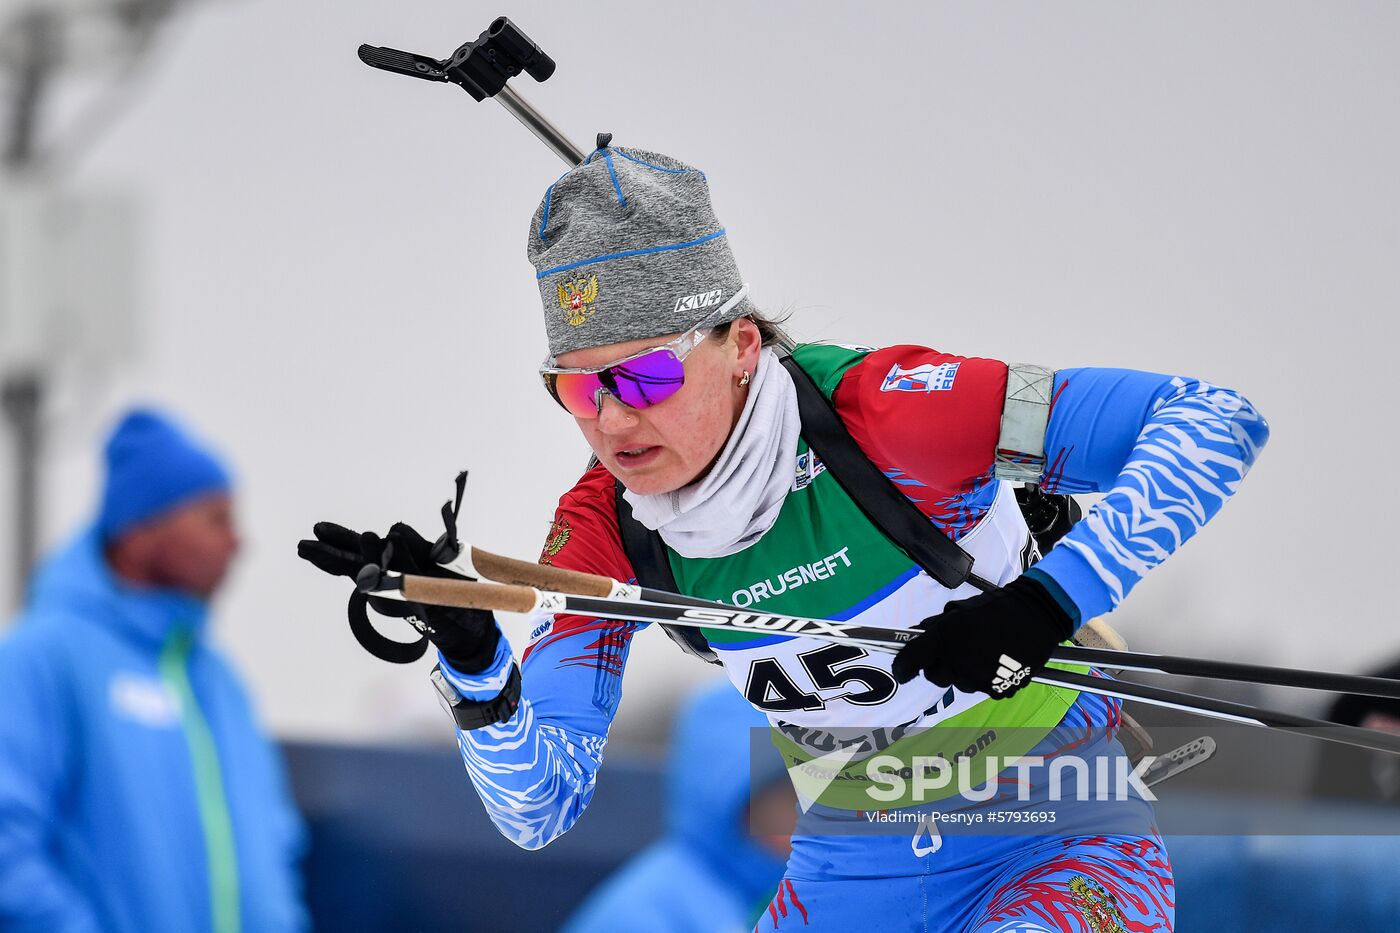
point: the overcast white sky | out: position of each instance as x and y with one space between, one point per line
336 289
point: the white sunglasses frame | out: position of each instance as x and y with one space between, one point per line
677 346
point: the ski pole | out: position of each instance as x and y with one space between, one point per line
1230 670
1244 714
541 576
513 598
626 606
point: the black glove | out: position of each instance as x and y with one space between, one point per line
990 643
467 638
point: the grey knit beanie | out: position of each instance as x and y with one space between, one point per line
627 246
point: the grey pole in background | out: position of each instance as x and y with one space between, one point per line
22 396
37 46
22 392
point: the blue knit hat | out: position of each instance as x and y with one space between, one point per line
152 467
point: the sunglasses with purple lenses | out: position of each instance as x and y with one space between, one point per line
638 381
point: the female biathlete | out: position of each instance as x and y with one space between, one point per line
671 374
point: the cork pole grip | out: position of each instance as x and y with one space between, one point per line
1096 633
464 594
541 576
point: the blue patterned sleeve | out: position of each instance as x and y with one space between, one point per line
536 773
1168 452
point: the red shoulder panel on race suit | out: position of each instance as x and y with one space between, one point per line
585 537
928 420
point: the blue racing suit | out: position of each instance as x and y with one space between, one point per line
1166 452
706 873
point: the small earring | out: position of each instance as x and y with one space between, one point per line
744 380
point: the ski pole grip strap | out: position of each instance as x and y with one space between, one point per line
881 501
540 576
466 594
385 649
1020 455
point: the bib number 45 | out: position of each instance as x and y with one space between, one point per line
830 667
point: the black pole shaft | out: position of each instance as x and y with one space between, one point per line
22 399
1224 709
1231 670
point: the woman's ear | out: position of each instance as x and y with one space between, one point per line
748 342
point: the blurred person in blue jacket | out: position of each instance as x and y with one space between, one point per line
137 791
709 873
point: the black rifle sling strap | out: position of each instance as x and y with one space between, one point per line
877 496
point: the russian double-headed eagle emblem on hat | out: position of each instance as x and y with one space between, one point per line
576 299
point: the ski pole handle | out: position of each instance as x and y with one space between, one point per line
500 597
444 591
541 576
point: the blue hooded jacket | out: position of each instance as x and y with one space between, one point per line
706 874
137 793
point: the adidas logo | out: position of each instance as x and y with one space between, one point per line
1009 674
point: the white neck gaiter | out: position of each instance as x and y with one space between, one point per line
736 503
